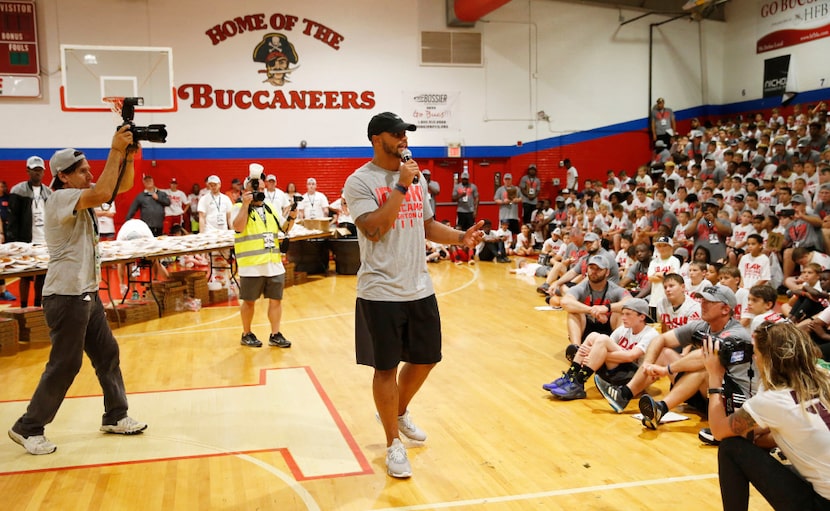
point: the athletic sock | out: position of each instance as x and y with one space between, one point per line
663 407
584 374
626 392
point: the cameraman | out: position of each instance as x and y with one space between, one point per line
716 309
709 231
71 304
256 243
790 411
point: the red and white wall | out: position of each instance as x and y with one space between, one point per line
576 63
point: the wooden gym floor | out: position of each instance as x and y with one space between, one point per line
235 428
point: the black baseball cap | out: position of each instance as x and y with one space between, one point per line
388 122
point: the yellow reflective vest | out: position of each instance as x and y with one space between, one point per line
249 245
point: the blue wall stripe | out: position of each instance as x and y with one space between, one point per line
156 152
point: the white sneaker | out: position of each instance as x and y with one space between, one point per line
38 444
397 464
409 429
126 426
124 290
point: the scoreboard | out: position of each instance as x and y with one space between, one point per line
19 67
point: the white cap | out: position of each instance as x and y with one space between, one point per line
35 162
214 179
270 177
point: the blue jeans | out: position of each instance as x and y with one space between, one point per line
77 325
741 463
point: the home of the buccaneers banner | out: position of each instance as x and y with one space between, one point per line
273 39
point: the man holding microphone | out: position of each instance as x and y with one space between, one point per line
396 313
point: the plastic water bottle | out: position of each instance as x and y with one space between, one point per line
135 295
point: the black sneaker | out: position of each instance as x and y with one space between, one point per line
279 341
705 435
250 340
652 413
612 394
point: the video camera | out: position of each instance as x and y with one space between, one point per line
733 351
153 133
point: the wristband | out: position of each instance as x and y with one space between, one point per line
401 188
709 392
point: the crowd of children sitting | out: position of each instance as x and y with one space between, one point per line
737 217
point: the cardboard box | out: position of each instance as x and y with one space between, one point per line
319 224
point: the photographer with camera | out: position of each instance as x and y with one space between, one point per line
71 304
709 231
791 411
256 244
686 371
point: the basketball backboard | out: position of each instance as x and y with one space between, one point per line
91 73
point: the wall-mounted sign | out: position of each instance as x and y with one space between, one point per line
276 46
18 50
783 23
431 110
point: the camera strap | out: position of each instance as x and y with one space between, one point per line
268 212
121 170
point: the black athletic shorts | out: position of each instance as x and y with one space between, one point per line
620 375
698 401
387 333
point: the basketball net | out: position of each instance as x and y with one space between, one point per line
116 103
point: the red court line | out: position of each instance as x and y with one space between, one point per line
366 468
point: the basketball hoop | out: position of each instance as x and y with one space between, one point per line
116 103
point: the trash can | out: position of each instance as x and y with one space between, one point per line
309 256
346 255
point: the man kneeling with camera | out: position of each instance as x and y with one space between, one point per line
689 381
256 243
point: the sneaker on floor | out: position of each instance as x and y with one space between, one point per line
570 352
409 429
652 413
7 297
705 435
543 289
278 340
126 426
562 380
250 339
397 464
570 391
612 394
34 444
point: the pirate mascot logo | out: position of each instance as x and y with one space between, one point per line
277 53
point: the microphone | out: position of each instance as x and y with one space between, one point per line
406 155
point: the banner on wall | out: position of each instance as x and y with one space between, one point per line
780 78
783 23
431 110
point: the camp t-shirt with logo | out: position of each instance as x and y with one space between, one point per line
394 268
